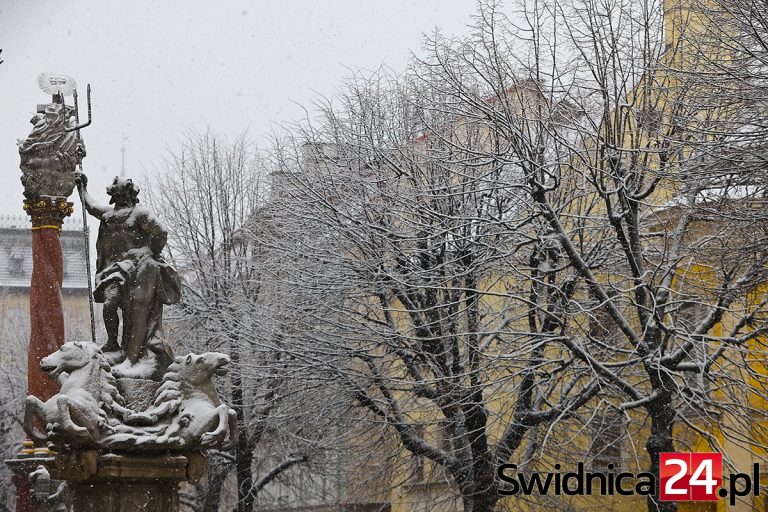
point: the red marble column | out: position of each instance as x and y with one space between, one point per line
46 315
46 312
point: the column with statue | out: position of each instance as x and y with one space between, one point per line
49 156
130 420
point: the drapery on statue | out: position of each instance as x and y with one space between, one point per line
131 276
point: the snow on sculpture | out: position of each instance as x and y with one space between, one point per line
187 412
132 278
198 416
110 409
88 407
47 495
132 394
49 153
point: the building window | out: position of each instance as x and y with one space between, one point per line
443 440
651 119
422 469
688 318
600 324
16 265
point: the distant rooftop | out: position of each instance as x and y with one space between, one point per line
72 223
16 254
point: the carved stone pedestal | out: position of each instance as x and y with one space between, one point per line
111 482
138 393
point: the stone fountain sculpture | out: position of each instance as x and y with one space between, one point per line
131 394
89 411
120 425
130 413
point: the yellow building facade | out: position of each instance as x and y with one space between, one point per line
420 485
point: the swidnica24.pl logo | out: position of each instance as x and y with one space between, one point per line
682 477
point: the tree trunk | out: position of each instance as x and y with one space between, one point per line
483 502
243 451
484 494
243 461
662 415
477 485
217 473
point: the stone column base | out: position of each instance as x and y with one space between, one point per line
120 482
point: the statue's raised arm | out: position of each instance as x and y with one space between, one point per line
81 180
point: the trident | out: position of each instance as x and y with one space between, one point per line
80 153
60 86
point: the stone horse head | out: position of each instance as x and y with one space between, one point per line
87 405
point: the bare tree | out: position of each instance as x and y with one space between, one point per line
544 233
648 206
14 326
542 224
412 258
207 194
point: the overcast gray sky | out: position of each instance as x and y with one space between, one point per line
160 68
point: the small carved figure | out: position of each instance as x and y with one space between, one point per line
44 497
88 407
131 276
